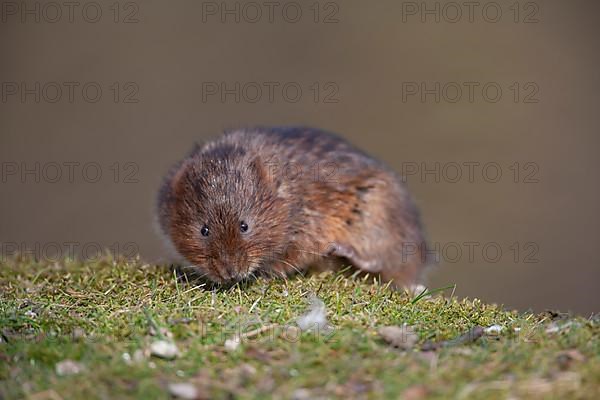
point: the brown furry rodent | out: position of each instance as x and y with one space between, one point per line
279 200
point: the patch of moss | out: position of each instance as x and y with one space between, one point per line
99 314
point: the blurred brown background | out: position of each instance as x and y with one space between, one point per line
167 73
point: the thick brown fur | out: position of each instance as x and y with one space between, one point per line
307 197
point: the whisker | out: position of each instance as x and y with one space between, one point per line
291 265
314 253
275 273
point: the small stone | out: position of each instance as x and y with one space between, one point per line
416 290
402 337
302 394
164 349
68 367
126 358
494 330
233 343
183 390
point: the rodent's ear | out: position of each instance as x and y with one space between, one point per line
261 170
177 175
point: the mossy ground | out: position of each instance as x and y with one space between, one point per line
99 314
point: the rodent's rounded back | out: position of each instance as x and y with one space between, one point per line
272 199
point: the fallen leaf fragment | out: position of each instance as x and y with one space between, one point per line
468 337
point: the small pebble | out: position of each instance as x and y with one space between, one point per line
233 343
183 390
416 290
493 330
302 394
402 337
164 349
68 367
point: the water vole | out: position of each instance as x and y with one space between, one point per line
281 199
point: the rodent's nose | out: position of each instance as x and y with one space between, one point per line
230 271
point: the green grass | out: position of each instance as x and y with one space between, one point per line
101 314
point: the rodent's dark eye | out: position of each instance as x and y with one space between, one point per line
204 231
243 226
